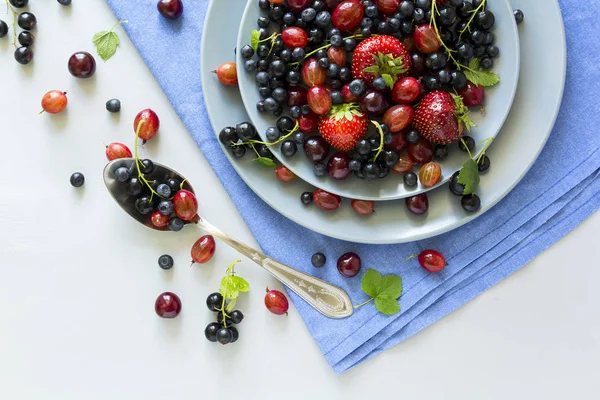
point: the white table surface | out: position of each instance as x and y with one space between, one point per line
79 277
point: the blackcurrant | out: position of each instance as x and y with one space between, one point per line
318 260
210 332
27 21
236 316
214 301
306 198
470 202
113 105
77 179
224 336
165 261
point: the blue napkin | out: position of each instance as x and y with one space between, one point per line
560 191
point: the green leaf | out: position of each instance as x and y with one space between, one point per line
372 69
241 284
265 161
462 112
106 44
254 39
384 290
228 289
388 80
387 306
469 176
482 78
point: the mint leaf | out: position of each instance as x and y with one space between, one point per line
228 288
265 161
469 176
385 290
387 306
254 39
482 78
388 80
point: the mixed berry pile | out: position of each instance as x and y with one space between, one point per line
369 86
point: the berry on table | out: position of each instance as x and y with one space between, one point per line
236 316
318 260
519 16
117 150
165 261
77 179
326 201
64 2
150 125
276 302
25 38
82 65
167 305
54 102
18 3
284 174
227 74
171 9
210 332
203 249
349 264
113 105
214 301
27 21
431 260
3 29
23 55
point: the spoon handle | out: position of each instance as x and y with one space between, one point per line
326 298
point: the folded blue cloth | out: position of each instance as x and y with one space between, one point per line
560 191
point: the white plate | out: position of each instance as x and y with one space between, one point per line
520 141
497 105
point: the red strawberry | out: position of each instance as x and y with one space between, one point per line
344 126
441 117
372 59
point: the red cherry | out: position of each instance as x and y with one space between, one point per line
338 166
308 123
227 74
312 73
473 95
117 150
363 207
167 305
398 142
319 100
388 6
82 65
296 96
276 302
185 205
159 220
421 152
432 261
373 102
349 264
316 148
338 56
418 204
150 126
348 96
171 9
347 15
398 117
326 201
54 102
406 90
426 39
294 37
284 174
298 5
203 249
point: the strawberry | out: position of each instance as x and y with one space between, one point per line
383 56
441 117
344 126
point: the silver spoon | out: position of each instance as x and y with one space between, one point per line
326 298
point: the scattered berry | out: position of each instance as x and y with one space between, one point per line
150 124
284 174
27 21
431 260
227 74
23 55
363 207
326 201
470 203
203 249
349 264
214 301
430 174
117 150
77 179
167 305
306 198
165 261
54 102
82 65
318 260
276 302
171 9
113 105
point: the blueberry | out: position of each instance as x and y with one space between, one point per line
250 65
263 50
337 97
441 152
288 148
289 18
27 21
444 76
163 190
324 62
271 104
519 16
176 224
336 40
280 95
436 61
407 27
272 134
285 124
262 78
77 179
345 74
308 14
465 51
489 38
458 79
486 63
295 112
379 83
357 87
363 147
306 109
299 138
371 11
238 151
320 169
410 179
318 260
470 203
293 77
390 158
355 165
276 12
165 207
298 53
323 19
306 198
333 70
262 22
349 44
413 136
165 261
371 170
113 105
122 174
247 52
492 51
394 24
406 8
336 84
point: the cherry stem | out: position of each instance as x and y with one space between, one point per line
118 23
466 147
281 139
411 257
432 22
14 23
138 162
363 303
487 142
474 12
381 141
357 36
223 311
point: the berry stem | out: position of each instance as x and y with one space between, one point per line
138 162
357 36
363 303
381 141
466 147
14 22
411 257
474 12
281 139
432 23
487 142
117 24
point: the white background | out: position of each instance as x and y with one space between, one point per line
79 277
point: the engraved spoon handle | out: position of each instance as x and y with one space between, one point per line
326 298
